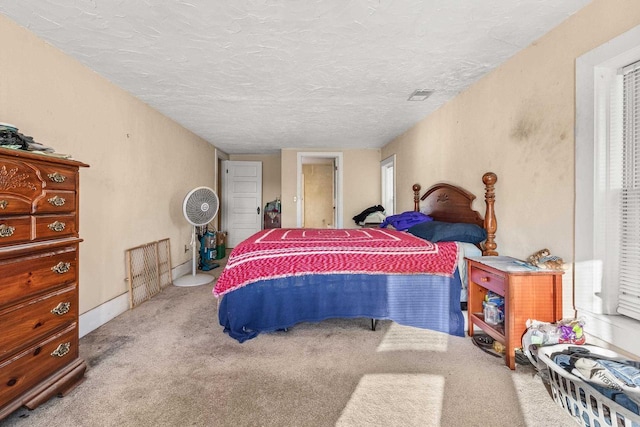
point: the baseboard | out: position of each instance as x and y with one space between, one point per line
621 333
181 270
93 319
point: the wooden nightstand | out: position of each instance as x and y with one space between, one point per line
528 294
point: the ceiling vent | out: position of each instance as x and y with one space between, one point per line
420 95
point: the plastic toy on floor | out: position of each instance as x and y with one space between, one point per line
566 331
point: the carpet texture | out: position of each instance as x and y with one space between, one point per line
168 363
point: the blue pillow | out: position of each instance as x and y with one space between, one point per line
438 231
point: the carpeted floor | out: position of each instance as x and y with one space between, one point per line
168 363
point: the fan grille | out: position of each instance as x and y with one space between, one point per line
200 206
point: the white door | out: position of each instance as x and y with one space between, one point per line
241 200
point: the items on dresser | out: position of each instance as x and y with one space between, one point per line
39 270
11 138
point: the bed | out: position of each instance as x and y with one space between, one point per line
278 278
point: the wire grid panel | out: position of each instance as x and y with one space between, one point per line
149 270
164 263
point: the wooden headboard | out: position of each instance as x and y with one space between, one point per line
449 203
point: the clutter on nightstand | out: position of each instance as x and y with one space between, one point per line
544 259
493 308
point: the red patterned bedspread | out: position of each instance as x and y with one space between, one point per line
282 252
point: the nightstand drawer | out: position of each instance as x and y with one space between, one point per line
488 280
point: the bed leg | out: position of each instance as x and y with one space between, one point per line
374 322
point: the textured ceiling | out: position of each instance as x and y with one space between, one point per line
259 75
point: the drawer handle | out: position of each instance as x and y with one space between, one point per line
484 279
3 204
62 308
56 201
57 226
61 267
62 349
57 177
6 230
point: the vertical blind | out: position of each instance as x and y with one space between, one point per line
629 271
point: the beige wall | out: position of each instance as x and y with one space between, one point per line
141 163
270 173
361 183
518 122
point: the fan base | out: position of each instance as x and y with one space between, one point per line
193 280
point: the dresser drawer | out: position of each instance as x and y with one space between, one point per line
58 177
56 201
54 226
32 320
26 369
27 276
487 280
15 230
11 205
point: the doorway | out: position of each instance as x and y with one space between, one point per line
319 190
388 179
242 199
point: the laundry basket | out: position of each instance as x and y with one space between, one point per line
585 404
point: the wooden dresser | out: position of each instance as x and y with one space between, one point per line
38 278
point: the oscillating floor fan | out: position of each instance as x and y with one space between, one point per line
200 206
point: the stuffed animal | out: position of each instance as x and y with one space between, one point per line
544 259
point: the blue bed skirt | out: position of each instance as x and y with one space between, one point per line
424 301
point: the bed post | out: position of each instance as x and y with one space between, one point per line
416 197
490 223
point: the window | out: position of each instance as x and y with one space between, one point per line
388 175
607 205
629 276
